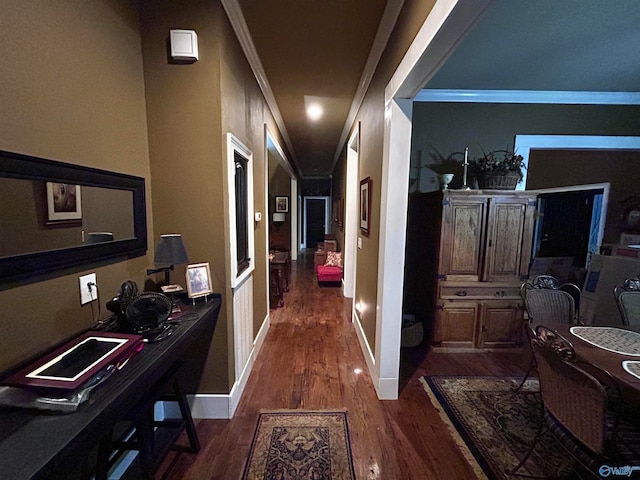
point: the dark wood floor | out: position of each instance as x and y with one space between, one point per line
311 359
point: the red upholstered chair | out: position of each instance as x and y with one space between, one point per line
331 270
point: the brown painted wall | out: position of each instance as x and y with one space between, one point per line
190 109
71 90
449 127
88 79
371 118
186 149
279 186
245 114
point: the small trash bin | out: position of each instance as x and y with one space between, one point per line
412 331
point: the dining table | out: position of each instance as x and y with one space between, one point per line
615 349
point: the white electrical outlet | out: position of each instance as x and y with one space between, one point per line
88 293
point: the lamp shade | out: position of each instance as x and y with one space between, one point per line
278 217
170 250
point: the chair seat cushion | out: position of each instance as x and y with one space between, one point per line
329 274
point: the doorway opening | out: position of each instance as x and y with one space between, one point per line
316 220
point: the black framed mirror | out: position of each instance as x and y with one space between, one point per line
56 216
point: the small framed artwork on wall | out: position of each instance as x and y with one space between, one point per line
365 206
282 204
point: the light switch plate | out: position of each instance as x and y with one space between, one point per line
359 242
88 295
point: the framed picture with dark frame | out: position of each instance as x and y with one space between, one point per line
282 204
198 277
365 206
64 203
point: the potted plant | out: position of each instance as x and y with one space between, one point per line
498 169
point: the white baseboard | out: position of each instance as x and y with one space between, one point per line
220 405
364 345
386 388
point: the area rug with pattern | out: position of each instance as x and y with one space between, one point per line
494 426
300 444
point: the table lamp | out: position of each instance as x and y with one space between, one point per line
169 252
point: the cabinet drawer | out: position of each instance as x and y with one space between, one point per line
479 291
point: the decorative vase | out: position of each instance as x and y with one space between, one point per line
445 180
498 180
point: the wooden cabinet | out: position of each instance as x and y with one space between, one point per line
483 240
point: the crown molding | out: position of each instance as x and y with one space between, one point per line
239 24
528 96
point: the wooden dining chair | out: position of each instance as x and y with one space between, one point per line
581 407
547 302
628 300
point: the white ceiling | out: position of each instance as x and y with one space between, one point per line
308 49
555 45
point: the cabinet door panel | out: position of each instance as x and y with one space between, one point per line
462 237
508 238
501 325
456 325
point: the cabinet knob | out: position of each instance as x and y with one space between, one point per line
500 293
461 293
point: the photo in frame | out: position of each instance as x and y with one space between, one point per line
198 279
64 202
282 204
365 206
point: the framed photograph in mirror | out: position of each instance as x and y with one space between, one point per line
198 277
64 202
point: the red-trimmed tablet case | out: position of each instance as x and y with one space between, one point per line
77 361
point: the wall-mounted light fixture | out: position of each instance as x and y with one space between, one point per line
278 217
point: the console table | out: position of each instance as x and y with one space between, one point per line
279 271
45 446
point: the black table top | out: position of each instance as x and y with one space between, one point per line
41 445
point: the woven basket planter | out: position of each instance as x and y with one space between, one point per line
498 181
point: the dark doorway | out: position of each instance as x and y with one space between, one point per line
316 214
568 224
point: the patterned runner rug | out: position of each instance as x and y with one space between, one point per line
299 444
495 426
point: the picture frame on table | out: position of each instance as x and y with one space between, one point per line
282 204
365 206
198 279
73 364
64 202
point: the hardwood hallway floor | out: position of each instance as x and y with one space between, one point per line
311 359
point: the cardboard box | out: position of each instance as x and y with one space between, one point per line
597 302
629 238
